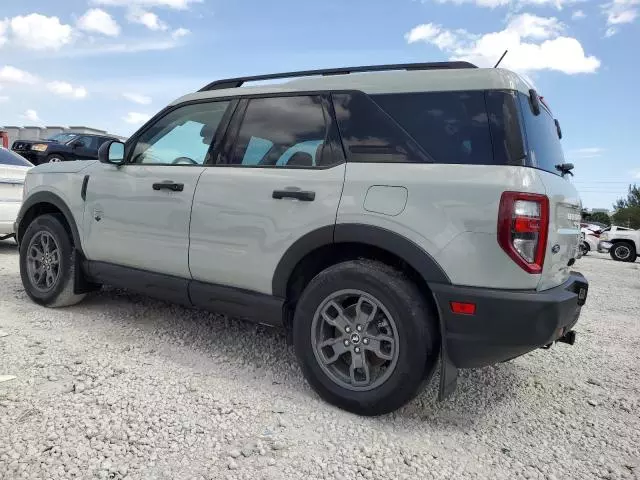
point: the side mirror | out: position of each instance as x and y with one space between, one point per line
111 152
77 144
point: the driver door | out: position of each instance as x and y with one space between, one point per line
137 215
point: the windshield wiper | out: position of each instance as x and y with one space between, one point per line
565 168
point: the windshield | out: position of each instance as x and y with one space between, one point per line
7 157
63 137
543 144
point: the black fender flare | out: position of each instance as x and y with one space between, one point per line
56 201
371 235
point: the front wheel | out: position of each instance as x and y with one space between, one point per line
623 252
47 263
55 158
365 337
584 248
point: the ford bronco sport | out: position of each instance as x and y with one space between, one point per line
387 216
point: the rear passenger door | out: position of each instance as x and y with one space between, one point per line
277 177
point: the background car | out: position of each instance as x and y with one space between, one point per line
623 244
61 147
13 169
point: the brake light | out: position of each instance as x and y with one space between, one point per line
523 226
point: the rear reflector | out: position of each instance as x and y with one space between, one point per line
463 308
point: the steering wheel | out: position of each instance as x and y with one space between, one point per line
184 160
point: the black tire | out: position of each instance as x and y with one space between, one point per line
623 252
418 339
55 158
584 248
61 293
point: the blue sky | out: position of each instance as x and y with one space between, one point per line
112 63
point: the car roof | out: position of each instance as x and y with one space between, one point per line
382 82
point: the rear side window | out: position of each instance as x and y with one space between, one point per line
543 144
451 127
283 132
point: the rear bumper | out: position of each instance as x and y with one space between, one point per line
506 323
604 246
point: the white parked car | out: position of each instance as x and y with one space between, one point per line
623 244
13 170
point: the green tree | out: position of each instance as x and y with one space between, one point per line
627 217
627 212
600 217
632 199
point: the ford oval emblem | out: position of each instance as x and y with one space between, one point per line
555 248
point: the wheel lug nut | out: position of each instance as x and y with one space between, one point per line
347 329
346 343
359 328
365 341
357 349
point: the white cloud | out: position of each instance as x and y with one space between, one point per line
175 4
619 12
11 74
578 14
636 173
136 118
4 31
546 49
148 19
39 32
65 89
31 115
137 98
587 152
558 4
4 98
180 32
99 21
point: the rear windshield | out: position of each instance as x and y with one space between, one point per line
543 143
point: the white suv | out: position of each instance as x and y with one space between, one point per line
386 219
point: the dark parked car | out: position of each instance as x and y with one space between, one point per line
61 147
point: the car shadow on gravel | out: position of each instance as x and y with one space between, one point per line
8 247
254 349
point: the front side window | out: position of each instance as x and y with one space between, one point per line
182 137
283 132
543 143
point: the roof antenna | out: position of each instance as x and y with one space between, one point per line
496 65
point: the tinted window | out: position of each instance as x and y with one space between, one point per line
181 137
90 143
283 132
544 149
369 134
507 133
452 127
7 157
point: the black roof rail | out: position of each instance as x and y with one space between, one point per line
239 81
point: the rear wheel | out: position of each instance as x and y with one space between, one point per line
365 337
47 263
623 252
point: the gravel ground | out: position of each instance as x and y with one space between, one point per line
125 387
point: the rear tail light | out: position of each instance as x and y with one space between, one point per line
523 226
